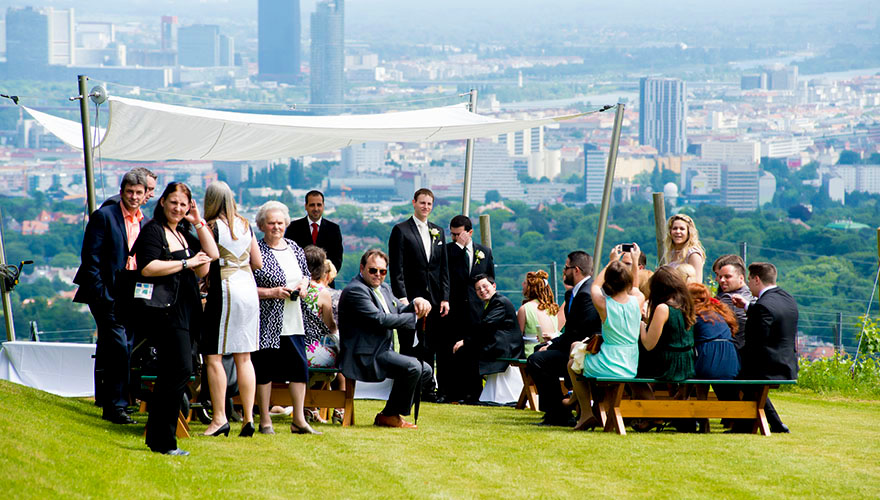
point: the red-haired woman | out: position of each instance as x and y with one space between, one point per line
713 336
537 316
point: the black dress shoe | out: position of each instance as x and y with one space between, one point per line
177 452
118 417
247 430
782 429
562 421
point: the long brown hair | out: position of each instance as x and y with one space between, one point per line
705 305
667 287
537 288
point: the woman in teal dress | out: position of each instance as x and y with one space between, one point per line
618 301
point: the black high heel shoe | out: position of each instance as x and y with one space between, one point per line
247 430
224 429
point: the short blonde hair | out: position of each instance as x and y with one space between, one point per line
265 208
687 272
330 270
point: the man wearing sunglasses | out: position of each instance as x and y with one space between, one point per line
369 315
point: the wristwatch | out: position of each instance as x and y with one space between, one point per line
183 262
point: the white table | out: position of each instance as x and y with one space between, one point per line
62 368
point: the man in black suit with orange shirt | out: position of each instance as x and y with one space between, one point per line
458 375
314 229
418 268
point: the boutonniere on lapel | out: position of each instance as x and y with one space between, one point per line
479 256
435 234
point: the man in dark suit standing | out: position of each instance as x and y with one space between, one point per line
368 316
418 268
314 229
458 375
770 350
109 236
549 362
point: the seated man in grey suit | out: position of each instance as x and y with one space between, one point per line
369 316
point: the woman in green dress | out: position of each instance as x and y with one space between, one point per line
668 338
537 316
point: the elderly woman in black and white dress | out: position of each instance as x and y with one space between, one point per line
281 284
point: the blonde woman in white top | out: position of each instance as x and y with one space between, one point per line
682 245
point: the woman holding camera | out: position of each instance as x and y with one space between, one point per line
282 282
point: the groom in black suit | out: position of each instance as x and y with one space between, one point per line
549 362
314 229
458 375
418 268
770 350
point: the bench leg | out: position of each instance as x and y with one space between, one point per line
600 404
182 426
702 392
761 424
348 416
529 392
615 420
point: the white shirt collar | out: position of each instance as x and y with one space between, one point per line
577 287
469 246
419 223
765 290
318 222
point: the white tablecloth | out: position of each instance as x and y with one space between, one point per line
62 368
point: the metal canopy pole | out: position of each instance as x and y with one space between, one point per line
468 162
7 304
659 225
87 141
606 195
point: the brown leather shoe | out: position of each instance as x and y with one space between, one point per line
392 421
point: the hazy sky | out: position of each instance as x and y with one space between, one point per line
489 20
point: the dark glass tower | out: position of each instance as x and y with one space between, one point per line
663 114
328 54
279 40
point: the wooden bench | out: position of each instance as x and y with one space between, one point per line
614 406
529 393
324 398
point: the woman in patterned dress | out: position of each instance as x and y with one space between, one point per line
231 311
281 284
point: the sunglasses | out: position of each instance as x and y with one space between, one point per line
381 272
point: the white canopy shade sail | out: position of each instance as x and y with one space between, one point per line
147 131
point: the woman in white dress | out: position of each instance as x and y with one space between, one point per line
232 311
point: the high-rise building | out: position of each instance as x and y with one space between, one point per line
169 33
39 37
782 78
662 114
327 79
364 157
278 33
595 163
227 51
199 45
739 186
735 151
755 81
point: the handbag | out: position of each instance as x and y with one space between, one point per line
594 344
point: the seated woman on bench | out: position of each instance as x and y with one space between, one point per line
618 301
713 334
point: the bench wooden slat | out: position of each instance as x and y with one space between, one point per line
670 408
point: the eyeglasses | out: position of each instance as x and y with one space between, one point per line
381 272
566 268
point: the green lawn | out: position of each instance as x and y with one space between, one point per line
55 447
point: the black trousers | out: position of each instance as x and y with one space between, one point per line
407 372
458 374
545 368
112 359
174 353
429 333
